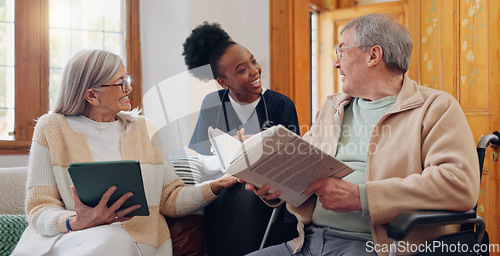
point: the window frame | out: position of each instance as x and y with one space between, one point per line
32 67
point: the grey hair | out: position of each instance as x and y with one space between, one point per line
379 29
85 70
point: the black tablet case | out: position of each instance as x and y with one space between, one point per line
92 179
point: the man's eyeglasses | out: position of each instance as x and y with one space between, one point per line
125 84
340 50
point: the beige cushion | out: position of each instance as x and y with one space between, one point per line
12 190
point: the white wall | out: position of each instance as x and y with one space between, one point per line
166 24
164 27
246 21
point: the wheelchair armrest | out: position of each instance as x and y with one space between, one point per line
403 223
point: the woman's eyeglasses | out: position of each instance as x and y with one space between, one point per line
125 84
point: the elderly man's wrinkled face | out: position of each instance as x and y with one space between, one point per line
351 62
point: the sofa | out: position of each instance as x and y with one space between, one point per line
12 215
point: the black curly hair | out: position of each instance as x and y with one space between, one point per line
205 45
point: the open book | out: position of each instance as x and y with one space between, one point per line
276 157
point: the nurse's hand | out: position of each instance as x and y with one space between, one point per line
241 136
262 192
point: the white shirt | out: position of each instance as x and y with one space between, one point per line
103 137
245 110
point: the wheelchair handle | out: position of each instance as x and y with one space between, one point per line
487 139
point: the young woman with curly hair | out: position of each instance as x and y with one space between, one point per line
235 222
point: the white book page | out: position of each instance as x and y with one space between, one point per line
225 146
229 148
252 142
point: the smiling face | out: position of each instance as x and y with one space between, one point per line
352 65
112 97
240 73
107 101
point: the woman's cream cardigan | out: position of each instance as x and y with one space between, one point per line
49 199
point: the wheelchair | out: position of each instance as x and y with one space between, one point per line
473 230
472 239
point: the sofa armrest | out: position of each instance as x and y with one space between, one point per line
13 190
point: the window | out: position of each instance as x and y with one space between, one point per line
314 65
81 24
6 69
40 36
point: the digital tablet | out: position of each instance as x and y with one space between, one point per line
92 179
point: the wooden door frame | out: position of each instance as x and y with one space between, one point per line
133 49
